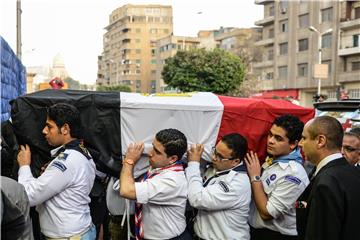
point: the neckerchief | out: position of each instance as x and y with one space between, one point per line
238 168
293 156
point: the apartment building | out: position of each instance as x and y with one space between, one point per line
129 52
348 67
168 47
235 40
240 41
296 34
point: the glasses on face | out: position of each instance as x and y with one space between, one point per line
218 157
350 149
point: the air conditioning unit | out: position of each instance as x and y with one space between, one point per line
283 10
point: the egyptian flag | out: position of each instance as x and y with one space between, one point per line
113 120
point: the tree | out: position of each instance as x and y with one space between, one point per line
215 71
250 54
72 84
114 88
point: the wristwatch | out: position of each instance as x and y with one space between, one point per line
255 179
128 161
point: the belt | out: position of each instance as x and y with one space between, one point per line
74 237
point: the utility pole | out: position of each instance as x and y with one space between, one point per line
18 28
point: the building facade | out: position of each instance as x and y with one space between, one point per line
296 34
235 40
129 53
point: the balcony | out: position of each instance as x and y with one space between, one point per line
265 21
345 77
263 64
349 51
350 24
260 2
265 42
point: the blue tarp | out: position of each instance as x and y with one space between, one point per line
13 78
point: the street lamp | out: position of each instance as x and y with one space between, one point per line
313 29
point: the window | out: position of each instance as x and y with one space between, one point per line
304 21
303 45
153 51
271 33
137 71
283 48
153 71
153 86
303 70
153 30
326 41
355 66
356 40
271 11
166 31
139 19
126 82
271 54
137 61
138 51
328 62
284 27
138 30
357 12
138 83
283 6
153 61
269 76
283 72
326 15
137 40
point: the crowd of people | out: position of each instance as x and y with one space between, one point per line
234 197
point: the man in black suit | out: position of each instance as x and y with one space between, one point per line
329 207
351 147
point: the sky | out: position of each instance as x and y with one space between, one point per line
75 28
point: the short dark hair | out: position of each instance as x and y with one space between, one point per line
292 125
62 113
329 127
355 132
237 143
174 142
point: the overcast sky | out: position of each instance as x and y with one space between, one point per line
75 28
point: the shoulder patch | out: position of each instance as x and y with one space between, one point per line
292 179
62 156
59 165
224 186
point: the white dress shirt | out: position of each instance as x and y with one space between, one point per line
61 193
163 198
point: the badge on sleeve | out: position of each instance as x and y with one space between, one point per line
62 156
224 186
292 179
59 165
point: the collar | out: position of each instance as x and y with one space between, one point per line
55 151
238 168
326 160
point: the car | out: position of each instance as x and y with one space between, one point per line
346 111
